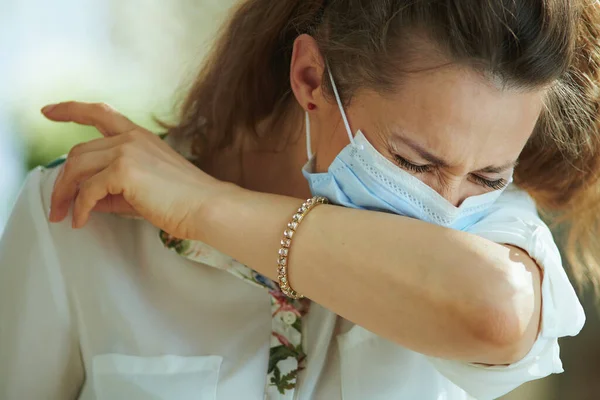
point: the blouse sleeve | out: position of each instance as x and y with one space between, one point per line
514 221
39 351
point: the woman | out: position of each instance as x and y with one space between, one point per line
435 280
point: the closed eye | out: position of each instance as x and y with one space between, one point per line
407 165
492 184
497 184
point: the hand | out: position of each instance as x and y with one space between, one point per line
128 171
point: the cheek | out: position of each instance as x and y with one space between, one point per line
333 137
328 151
332 140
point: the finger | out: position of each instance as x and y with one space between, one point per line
102 116
75 171
91 192
96 144
77 150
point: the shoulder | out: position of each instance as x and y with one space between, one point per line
39 183
514 212
28 223
515 198
104 233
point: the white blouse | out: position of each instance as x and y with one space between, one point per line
107 312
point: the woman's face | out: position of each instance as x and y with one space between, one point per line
449 127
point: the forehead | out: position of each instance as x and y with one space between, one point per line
458 115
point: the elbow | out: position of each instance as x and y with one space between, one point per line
500 335
507 323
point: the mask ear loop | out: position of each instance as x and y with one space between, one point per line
339 102
309 153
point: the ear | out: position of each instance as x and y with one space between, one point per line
306 72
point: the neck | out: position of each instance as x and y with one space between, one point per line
270 165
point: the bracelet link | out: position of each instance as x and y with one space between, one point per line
286 243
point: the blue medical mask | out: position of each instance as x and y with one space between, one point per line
360 177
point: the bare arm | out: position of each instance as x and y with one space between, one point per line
434 290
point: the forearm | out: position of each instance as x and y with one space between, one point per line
428 288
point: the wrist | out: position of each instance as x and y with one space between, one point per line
213 211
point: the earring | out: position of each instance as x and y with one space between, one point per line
312 107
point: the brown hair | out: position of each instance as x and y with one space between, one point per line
526 44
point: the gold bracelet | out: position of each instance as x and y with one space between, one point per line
286 243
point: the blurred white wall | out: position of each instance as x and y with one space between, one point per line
11 167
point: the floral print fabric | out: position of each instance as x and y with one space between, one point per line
286 356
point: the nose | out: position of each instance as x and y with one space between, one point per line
453 192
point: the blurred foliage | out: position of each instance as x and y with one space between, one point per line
47 140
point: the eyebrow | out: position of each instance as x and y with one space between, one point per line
432 158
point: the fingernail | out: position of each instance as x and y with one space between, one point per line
48 108
50 214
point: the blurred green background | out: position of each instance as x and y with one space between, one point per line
139 56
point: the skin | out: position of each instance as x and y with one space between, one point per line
470 299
